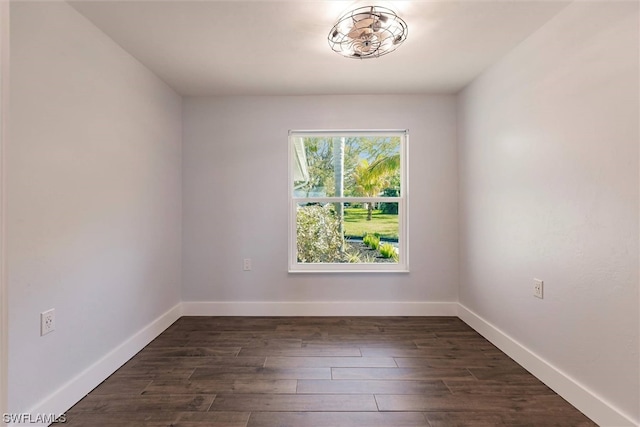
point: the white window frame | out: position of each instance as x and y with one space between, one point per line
402 266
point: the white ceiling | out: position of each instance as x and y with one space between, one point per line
280 47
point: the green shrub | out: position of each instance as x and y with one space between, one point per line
371 240
388 251
318 234
390 208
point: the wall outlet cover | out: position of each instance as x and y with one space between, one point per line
538 286
47 321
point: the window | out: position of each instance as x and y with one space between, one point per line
348 201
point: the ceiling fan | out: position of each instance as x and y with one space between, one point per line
368 32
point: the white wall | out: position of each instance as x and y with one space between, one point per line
4 118
235 202
93 185
548 158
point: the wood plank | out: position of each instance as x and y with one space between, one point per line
465 419
337 419
440 362
212 419
220 386
165 372
198 362
367 341
228 323
330 329
411 374
501 374
293 402
371 386
502 419
120 385
240 373
473 403
349 351
465 333
167 341
478 344
203 335
119 419
331 346
189 352
522 386
329 362
246 342
134 403
447 353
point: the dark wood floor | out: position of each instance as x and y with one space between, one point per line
315 372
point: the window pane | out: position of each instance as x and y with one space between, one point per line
347 233
318 166
318 233
350 166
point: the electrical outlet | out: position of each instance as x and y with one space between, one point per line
47 321
246 265
537 288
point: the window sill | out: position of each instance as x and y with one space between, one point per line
402 270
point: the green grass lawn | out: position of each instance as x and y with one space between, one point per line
356 224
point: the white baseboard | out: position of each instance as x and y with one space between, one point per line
321 308
589 403
70 393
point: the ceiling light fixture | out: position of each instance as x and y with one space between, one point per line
368 32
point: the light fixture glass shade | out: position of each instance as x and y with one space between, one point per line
368 32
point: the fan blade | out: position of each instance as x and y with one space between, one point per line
383 35
356 33
363 23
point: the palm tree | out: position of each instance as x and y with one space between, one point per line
388 165
368 184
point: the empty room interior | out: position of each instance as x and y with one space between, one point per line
470 170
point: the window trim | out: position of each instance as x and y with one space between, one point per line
402 266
